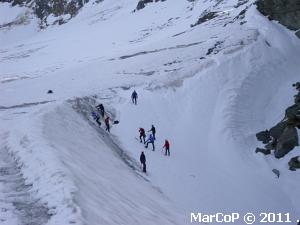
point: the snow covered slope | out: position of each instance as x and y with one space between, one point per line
208 85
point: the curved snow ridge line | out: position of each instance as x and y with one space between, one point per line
18 197
14 78
25 105
254 89
41 168
108 191
159 50
84 106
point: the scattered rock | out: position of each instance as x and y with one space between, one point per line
263 136
277 172
262 150
271 145
240 3
283 137
286 12
297 84
287 141
62 10
142 3
205 17
278 129
215 49
292 112
294 163
298 33
268 43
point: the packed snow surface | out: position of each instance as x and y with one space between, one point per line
206 88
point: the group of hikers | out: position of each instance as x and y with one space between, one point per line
150 140
101 112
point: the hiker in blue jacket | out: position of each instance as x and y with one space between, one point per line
150 140
96 117
153 130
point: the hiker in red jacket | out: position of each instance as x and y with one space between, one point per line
167 147
107 123
142 135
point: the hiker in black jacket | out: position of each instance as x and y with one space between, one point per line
134 97
153 130
101 109
143 161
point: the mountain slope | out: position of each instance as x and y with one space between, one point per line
209 75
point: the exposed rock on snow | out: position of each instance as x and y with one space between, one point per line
298 33
263 136
205 17
294 163
16 194
142 3
287 12
276 172
51 12
283 137
22 19
287 141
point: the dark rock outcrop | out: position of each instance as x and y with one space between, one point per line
287 141
63 10
286 12
262 150
298 33
283 137
276 172
263 136
142 3
294 163
205 17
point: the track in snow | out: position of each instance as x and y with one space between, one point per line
17 198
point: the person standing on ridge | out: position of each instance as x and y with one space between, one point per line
143 161
153 130
167 147
142 135
150 140
134 97
107 124
101 109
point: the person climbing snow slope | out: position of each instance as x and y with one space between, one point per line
101 110
142 135
107 124
167 147
143 161
153 130
150 140
134 97
96 117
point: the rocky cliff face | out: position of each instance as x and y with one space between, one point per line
283 137
60 10
142 3
286 12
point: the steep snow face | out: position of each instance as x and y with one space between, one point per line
8 13
16 23
211 123
208 88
